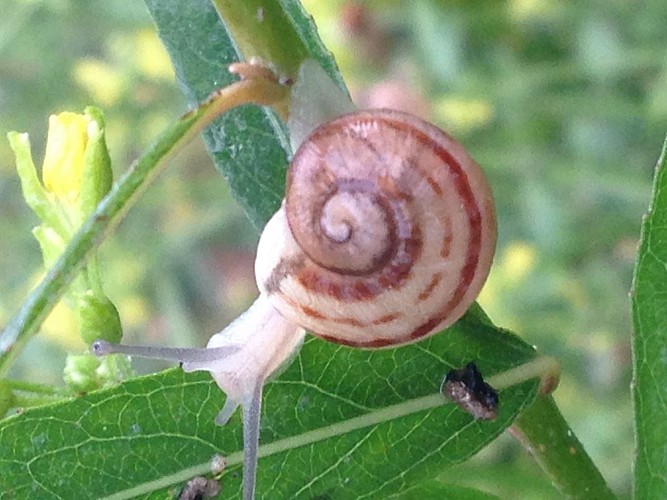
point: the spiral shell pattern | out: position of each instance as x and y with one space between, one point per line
386 234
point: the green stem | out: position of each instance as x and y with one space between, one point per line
21 385
543 431
268 30
261 28
93 278
115 205
546 368
33 401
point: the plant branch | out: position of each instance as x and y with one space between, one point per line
49 390
543 431
261 29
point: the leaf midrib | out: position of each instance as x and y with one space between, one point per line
374 417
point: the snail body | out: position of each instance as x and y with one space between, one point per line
386 234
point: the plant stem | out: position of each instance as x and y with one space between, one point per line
266 29
21 385
33 401
115 205
543 431
546 368
261 28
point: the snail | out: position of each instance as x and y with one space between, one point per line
385 236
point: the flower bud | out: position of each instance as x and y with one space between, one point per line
97 173
80 372
113 370
62 170
76 172
98 318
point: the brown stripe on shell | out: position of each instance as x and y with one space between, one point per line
373 344
313 313
428 290
412 164
387 318
321 282
363 139
382 320
362 288
422 330
292 303
436 187
447 239
387 184
286 267
349 321
427 327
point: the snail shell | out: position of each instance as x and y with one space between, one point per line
386 234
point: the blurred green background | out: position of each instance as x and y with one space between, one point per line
563 103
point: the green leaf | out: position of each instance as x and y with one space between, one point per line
438 491
649 308
331 425
247 144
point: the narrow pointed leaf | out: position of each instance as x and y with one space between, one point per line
649 308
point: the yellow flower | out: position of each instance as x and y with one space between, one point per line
76 172
76 175
64 159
